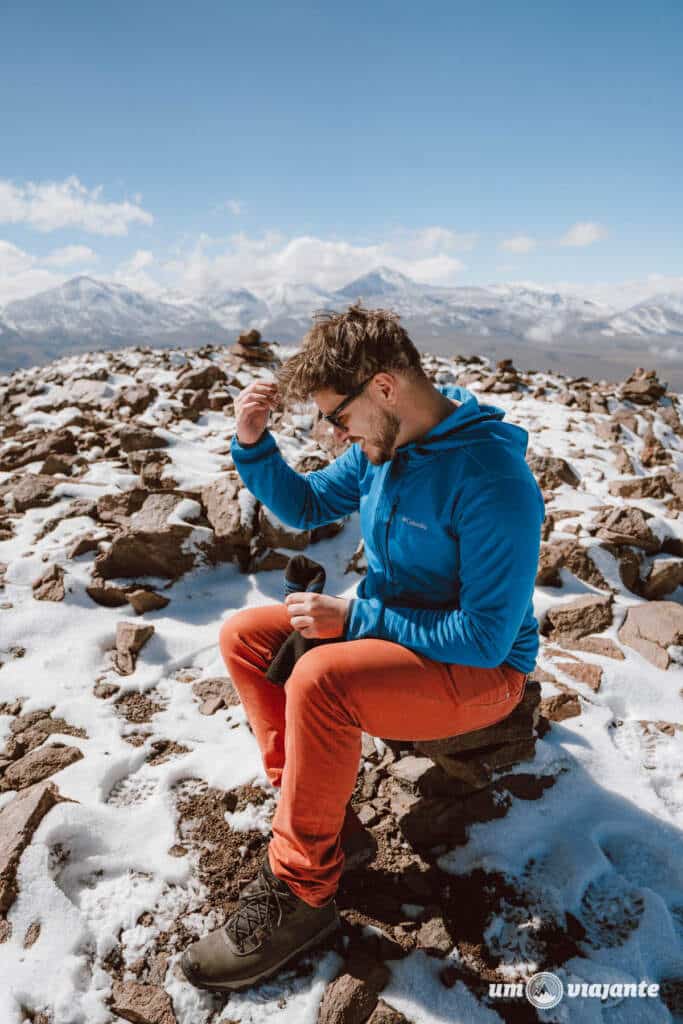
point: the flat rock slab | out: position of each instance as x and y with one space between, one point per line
18 821
38 765
650 629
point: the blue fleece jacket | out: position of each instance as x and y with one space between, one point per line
452 530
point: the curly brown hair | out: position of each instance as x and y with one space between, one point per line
342 349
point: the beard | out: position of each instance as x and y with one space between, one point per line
386 430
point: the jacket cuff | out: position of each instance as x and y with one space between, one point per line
252 452
345 630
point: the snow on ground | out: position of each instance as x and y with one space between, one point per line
603 843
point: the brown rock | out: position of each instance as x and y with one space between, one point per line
57 464
252 337
131 637
83 545
214 694
478 771
50 586
362 963
651 628
629 562
346 1000
626 525
653 453
138 397
39 764
202 377
311 463
85 391
30 731
590 613
18 821
666 574
142 1004
608 430
106 594
229 519
151 546
561 706
640 487
136 439
32 491
144 600
276 534
435 938
61 442
603 645
550 561
622 460
118 508
261 353
552 471
582 671
642 387
384 1013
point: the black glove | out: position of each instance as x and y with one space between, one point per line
302 573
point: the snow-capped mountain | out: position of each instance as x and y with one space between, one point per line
88 313
235 309
658 315
83 308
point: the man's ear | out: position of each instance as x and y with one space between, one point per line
388 386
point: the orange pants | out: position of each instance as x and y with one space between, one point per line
309 732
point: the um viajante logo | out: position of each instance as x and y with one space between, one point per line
545 990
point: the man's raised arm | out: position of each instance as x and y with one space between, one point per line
299 500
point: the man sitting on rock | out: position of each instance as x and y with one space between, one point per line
438 641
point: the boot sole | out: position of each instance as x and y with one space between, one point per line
247 982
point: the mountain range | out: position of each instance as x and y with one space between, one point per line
86 313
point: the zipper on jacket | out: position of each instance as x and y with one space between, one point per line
391 516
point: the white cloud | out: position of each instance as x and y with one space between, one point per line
51 205
14 260
241 261
133 273
20 276
70 254
518 244
584 233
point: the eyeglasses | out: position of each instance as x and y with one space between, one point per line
333 417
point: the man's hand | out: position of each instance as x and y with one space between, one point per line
252 406
317 616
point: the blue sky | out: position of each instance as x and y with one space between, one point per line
220 145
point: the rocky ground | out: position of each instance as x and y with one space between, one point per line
133 806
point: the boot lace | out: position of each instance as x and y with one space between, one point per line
258 913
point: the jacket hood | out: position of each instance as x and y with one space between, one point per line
470 421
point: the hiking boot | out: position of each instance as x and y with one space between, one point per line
270 926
